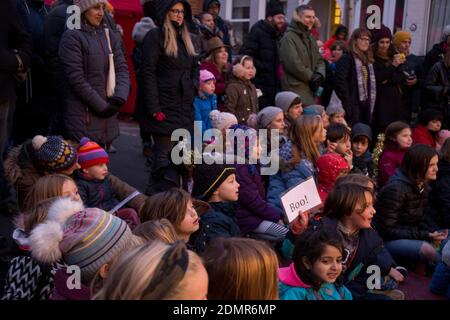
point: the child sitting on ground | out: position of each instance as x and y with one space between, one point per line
94 184
361 141
291 104
315 273
336 113
427 130
339 135
206 100
216 184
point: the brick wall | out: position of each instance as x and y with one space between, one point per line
196 5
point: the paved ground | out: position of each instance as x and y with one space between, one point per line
129 163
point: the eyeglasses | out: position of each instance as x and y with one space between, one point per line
364 39
177 12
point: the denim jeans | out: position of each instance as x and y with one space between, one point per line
407 249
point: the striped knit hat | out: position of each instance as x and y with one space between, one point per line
91 154
87 238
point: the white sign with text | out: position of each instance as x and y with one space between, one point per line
302 197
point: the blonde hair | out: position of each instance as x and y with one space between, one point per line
241 269
302 134
45 187
150 272
157 230
170 39
35 215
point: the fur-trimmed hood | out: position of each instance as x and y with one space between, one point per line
45 237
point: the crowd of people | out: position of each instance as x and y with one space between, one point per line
359 114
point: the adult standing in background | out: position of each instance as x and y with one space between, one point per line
304 68
438 51
92 102
262 44
168 74
15 57
213 7
355 83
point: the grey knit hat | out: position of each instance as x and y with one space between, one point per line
266 116
286 99
335 107
86 4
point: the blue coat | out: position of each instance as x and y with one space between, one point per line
96 193
203 106
288 176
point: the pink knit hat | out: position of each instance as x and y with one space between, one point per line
205 76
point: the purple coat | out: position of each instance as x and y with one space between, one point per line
62 292
252 207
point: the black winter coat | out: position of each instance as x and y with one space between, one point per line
219 221
346 88
437 86
12 37
96 193
262 44
167 84
400 210
412 96
440 197
370 251
435 55
389 103
84 55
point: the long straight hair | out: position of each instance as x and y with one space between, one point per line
170 39
365 57
302 134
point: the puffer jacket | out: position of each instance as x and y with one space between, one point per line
440 196
300 57
241 99
84 56
222 79
400 210
288 176
203 106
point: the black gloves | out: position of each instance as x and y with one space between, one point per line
110 110
116 101
315 81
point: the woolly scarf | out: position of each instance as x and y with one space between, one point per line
363 89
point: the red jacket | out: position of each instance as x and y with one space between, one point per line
421 135
390 160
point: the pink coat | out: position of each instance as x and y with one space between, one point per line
390 161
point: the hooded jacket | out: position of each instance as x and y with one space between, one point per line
84 55
241 99
364 162
300 57
329 167
220 23
421 135
291 287
167 82
400 210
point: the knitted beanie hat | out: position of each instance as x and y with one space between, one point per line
87 238
313 110
273 8
53 154
222 120
286 99
383 32
266 116
86 4
205 76
91 154
335 107
209 177
401 36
